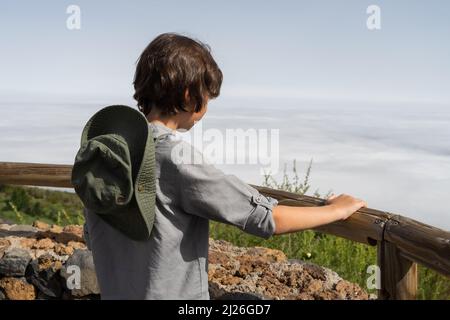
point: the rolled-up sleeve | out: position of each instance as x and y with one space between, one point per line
207 192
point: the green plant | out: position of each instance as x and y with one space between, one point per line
80 218
39 204
21 199
292 184
19 216
58 218
66 216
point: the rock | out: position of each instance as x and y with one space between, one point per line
27 243
56 229
39 252
347 290
45 255
14 262
61 237
260 273
43 273
266 254
88 284
76 245
74 229
17 289
4 226
240 296
4 245
21 230
62 249
41 225
66 237
44 244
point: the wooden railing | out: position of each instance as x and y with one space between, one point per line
401 242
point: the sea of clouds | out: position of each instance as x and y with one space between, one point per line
396 156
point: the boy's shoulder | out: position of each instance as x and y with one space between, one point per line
171 147
180 152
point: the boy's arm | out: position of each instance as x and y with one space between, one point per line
207 192
291 219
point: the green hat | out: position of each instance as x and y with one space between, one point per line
114 170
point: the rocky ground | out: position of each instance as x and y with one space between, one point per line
34 260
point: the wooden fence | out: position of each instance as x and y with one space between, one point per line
401 242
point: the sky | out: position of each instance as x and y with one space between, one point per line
300 49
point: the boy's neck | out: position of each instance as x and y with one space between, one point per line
169 123
183 120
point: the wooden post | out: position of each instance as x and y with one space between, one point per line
398 274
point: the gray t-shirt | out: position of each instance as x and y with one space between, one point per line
173 263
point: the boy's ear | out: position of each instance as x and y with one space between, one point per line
187 99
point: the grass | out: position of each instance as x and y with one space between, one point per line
24 205
349 259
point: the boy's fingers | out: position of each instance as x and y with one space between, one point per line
330 198
363 203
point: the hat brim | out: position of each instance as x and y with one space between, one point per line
136 219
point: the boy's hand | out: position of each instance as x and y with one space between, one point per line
345 205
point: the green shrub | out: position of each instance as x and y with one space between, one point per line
32 204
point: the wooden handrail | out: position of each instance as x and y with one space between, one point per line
365 226
36 174
402 242
417 241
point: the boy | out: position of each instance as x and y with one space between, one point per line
175 77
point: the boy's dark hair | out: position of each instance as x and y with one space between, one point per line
169 65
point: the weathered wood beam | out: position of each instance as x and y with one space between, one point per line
420 242
365 226
36 174
398 274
